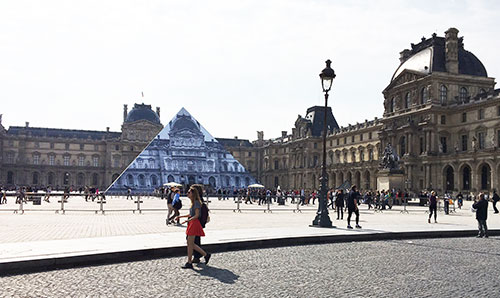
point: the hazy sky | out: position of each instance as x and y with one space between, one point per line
236 66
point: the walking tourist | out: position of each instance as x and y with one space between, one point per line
460 200
495 199
176 205
432 206
352 207
481 206
339 204
197 239
170 198
47 194
194 228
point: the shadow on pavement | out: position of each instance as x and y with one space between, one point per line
223 275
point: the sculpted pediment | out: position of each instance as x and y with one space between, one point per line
406 76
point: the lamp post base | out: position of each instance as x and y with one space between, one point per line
322 221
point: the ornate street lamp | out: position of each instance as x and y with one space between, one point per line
322 219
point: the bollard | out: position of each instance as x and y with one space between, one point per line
138 202
298 208
62 205
238 205
101 201
405 202
21 208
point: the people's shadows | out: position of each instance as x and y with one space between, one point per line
223 275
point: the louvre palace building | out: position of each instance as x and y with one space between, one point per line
441 115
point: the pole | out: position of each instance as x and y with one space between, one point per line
322 219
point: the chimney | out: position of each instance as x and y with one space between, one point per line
235 137
260 135
27 124
107 129
451 51
125 112
284 133
158 111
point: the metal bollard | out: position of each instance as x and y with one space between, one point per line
298 208
101 201
62 205
405 202
138 202
21 208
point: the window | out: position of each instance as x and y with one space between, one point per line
52 159
370 135
10 157
96 147
480 114
276 165
331 143
464 117
421 143
66 160
352 139
117 147
481 138
276 150
465 141
407 100
402 146
353 157
36 159
361 155
131 148
11 143
345 140
345 157
37 145
443 94
370 154
249 154
392 105
51 145
315 145
463 94
95 161
338 142
82 146
66 146
361 137
81 161
443 119
424 95
443 147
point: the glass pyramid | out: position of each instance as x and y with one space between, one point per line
186 153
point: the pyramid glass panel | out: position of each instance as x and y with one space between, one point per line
186 153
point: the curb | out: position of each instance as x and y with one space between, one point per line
57 263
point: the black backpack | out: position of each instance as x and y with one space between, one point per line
204 217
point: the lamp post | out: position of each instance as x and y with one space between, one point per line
322 219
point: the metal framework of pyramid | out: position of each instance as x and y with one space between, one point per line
186 153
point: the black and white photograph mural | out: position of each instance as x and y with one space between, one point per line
186 153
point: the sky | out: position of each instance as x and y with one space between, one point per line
237 66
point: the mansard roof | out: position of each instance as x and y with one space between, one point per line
315 115
61 133
234 142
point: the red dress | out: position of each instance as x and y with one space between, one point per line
194 228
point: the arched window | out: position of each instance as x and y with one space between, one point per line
80 179
142 182
407 100
463 94
10 177
170 178
424 95
130 180
443 94
50 178
154 180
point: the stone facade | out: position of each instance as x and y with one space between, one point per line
441 114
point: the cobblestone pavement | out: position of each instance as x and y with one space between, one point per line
459 267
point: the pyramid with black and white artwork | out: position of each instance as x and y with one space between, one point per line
183 152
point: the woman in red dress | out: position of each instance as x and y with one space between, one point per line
194 228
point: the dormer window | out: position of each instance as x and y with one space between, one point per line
443 94
463 94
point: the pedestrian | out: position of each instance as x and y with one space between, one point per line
176 205
481 206
170 198
197 239
194 228
129 193
339 204
447 198
495 199
352 207
460 199
432 206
